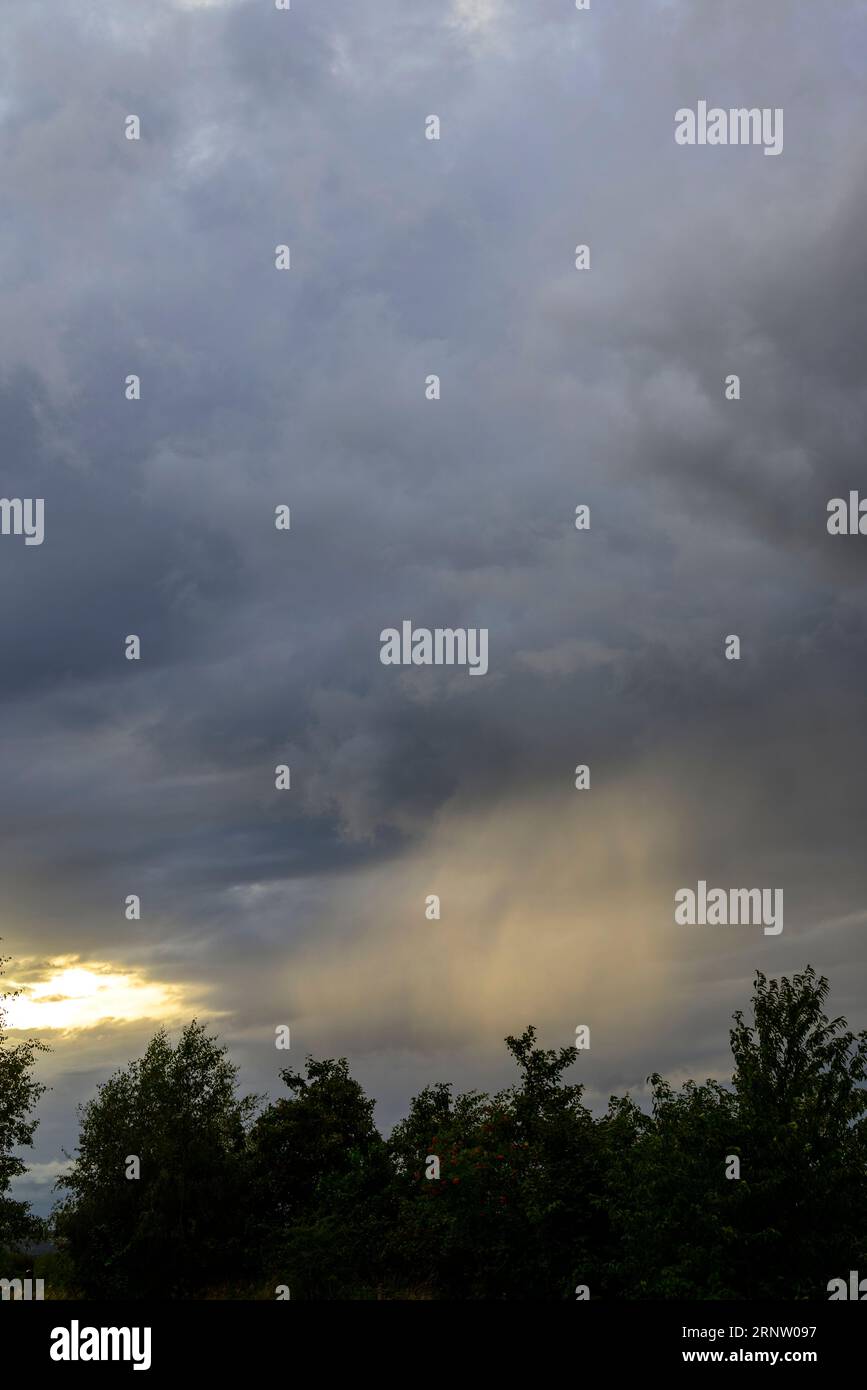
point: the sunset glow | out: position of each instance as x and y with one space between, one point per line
67 994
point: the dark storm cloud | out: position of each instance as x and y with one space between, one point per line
258 388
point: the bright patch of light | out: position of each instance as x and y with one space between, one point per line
72 995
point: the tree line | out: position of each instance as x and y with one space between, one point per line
531 1196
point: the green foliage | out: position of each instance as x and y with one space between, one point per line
534 1197
801 1106
18 1095
317 1190
512 1213
57 1269
178 1226
794 1117
672 1209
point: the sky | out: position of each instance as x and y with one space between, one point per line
305 388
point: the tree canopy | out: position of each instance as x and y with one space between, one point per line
755 1188
19 1093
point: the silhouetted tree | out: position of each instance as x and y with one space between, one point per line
794 1118
512 1213
318 1178
798 1079
528 1196
176 1228
673 1211
19 1092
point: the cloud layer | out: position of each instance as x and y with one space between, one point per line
259 647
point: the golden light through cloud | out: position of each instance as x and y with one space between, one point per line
67 994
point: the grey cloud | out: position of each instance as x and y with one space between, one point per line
412 257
